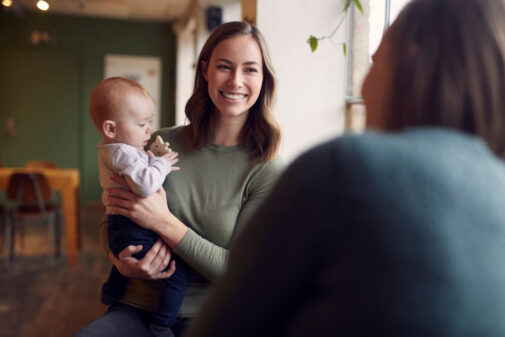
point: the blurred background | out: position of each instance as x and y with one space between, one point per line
53 52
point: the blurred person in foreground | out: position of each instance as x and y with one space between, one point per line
399 231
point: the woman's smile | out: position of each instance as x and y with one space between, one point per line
234 75
232 96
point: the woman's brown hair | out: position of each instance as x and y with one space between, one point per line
448 59
260 134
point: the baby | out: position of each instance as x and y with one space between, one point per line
122 111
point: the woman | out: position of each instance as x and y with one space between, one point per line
227 167
394 233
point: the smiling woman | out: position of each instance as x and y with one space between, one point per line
259 131
228 167
234 75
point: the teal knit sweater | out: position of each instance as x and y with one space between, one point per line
373 235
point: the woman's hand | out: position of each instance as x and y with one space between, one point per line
149 212
150 267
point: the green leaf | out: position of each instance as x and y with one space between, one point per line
312 41
358 5
344 47
347 4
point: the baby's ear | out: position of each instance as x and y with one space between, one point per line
109 129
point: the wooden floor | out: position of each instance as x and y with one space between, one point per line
41 296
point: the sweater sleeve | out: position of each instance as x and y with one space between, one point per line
209 259
269 258
144 175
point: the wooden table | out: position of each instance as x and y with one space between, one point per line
67 182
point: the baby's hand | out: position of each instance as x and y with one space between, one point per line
159 147
172 159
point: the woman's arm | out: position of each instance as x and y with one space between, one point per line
149 212
210 259
150 267
207 258
152 213
274 264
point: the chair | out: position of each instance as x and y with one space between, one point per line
41 163
31 194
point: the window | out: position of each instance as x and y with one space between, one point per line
365 34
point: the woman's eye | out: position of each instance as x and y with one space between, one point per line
251 70
222 66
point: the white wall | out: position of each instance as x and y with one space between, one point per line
188 50
310 97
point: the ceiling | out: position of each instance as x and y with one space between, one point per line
151 10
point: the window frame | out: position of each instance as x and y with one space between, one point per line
355 114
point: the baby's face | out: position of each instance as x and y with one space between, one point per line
134 124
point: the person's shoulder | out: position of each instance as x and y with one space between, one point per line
410 142
275 165
114 149
358 144
343 146
265 173
169 132
375 156
176 136
348 153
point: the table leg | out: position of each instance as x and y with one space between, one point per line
70 215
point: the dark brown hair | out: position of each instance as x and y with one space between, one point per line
448 59
260 134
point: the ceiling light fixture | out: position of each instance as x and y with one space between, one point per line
7 3
42 5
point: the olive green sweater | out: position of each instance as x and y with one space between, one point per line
216 190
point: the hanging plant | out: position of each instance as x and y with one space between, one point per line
314 41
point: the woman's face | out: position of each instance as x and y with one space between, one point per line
234 75
376 89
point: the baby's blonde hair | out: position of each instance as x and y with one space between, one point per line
107 97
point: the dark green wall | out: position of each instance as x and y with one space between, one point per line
90 40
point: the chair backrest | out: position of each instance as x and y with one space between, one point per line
29 188
41 163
